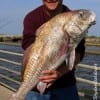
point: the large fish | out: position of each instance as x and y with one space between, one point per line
55 42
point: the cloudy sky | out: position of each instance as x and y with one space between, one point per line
12 13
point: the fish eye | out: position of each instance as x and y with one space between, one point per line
81 14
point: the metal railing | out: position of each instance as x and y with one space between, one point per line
19 73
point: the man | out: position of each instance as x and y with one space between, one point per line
60 87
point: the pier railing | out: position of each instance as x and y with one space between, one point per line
12 80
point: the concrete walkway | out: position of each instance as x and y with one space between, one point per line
4 93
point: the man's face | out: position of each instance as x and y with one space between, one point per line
51 4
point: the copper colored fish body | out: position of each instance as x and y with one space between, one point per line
55 42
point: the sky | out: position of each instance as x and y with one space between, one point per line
12 13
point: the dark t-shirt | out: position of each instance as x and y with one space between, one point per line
33 21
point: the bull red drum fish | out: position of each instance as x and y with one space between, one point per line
55 42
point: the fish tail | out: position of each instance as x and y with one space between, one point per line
13 97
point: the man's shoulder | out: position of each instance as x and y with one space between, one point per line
36 11
66 8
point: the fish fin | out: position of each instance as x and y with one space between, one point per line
66 60
71 60
41 87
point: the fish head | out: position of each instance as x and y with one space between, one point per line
79 23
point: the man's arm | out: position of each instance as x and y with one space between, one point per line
28 31
28 38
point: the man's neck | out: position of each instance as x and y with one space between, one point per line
54 12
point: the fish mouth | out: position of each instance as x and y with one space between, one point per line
93 23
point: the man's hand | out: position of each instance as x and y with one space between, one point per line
49 76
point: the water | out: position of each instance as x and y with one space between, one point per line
80 72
